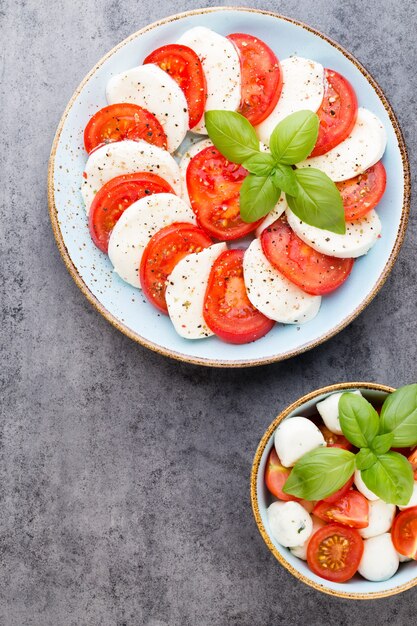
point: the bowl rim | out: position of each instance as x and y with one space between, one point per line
254 493
53 212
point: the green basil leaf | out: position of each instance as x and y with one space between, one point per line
365 458
293 139
258 196
232 135
390 478
358 420
318 201
260 164
285 179
399 416
320 473
382 443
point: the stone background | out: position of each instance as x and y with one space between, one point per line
124 475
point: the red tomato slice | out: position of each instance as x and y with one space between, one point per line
213 185
123 121
352 510
227 309
115 196
337 112
334 552
166 248
340 493
184 66
313 272
335 441
362 193
413 460
404 532
261 77
276 476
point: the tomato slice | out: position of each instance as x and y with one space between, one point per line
335 441
115 196
340 493
337 112
213 186
276 476
352 510
334 552
166 248
313 272
404 532
123 121
413 460
362 193
184 66
261 77
227 309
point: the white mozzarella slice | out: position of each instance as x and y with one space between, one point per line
380 559
294 437
358 239
154 90
186 290
185 161
272 294
412 501
221 66
360 486
289 523
301 551
127 157
273 215
381 516
139 222
302 89
329 411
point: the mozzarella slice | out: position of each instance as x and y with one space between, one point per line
289 523
185 161
358 239
363 148
360 486
137 225
127 157
186 289
273 215
381 516
329 411
221 66
412 501
302 89
272 294
380 559
294 437
153 89
301 551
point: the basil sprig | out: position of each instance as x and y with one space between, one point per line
388 474
310 193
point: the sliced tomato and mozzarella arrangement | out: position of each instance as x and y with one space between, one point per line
350 531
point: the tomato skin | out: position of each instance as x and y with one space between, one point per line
362 193
261 77
335 441
184 66
335 545
337 113
413 460
340 493
404 532
276 476
123 121
351 510
166 248
313 272
115 197
213 185
227 309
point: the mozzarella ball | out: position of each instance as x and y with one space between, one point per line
381 516
360 486
329 411
380 559
412 501
294 437
301 551
289 523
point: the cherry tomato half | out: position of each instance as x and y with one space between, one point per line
334 552
340 493
413 460
404 532
335 441
276 476
352 510
362 193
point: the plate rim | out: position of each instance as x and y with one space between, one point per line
239 363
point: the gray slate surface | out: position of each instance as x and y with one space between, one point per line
124 476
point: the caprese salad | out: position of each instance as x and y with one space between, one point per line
164 217
343 486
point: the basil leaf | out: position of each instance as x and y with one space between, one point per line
399 416
258 196
390 478
232 135
320 473
382 443
358 419
365 458
318 201
260 164
284 177
293 139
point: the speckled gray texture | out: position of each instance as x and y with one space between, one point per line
124 479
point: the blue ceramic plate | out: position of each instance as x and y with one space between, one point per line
125 306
